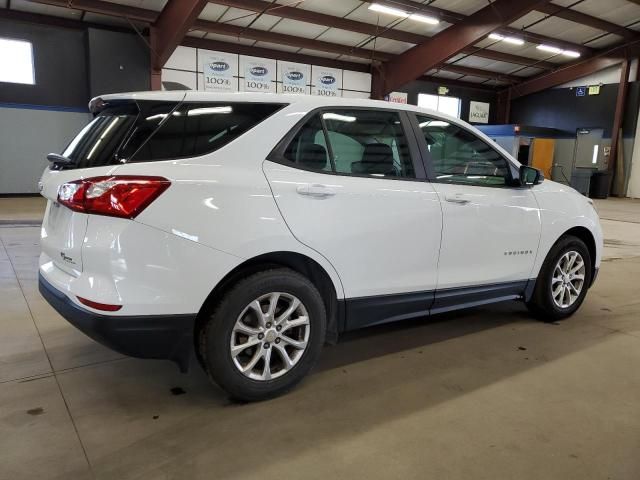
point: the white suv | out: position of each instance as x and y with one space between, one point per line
253 228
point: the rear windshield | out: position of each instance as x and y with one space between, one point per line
129 132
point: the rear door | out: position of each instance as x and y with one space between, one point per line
349 185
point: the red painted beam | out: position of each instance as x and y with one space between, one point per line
272 53
623 87
478 72
447 43
283 39
588 20
581 68
171 26
454 17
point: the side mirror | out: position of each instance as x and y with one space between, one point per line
530 176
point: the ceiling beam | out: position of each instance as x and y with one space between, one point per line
477 72
171 26
289 40
450 82
578 69
454 17
105 8
308 16
447 43
272 53
588 20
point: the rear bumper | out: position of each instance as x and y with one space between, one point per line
167 337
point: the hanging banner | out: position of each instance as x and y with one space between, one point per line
294 77
219 69
327 81
478 112
258 75
397 97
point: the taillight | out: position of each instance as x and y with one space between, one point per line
122 196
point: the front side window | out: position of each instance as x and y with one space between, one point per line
357 142
458 156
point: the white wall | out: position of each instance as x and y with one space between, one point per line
184 67
606 76
633 190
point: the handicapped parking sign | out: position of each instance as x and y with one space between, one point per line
581 91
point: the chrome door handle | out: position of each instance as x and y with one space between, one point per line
458 200
316 190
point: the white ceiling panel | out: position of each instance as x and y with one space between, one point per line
527 20
605 41
156 5
342 37
348 58
421 28
316 53
528 72
387 45
495 83
299 29
466 7
561 29
31 7
363 14
212 12
243 18
225 38
196 33
443 74
277 46
338 9
472 79
621 12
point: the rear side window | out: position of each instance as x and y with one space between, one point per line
153 131
358 142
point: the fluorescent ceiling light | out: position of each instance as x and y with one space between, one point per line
376 7
549 48
571 53
424 19
495 36
338 117
513 40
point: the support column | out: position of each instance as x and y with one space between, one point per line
155 73
619 115
503 106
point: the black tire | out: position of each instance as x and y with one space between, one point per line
215 336
542 304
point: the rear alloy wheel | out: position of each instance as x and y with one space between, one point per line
563 280
270 336
265 335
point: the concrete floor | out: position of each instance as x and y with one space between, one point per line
483 394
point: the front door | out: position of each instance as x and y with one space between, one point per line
350 186
491 226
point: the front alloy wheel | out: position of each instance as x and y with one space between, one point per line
568 279
270 336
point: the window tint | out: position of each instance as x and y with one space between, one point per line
97 143
191 130
129 131
308 148
360 142
458 156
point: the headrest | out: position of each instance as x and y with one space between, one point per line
313 156
377 158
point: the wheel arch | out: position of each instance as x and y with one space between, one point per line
295 261
584 234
